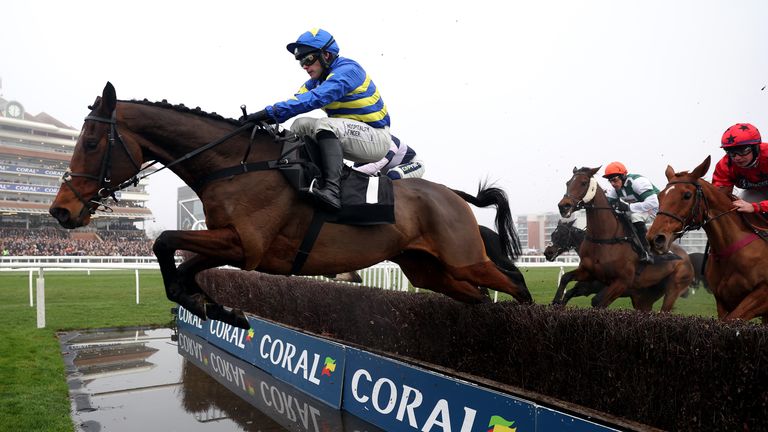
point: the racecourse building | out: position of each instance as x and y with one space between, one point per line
34 154
535 231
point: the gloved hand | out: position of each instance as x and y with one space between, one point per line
257 117
621 205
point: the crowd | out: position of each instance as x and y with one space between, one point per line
57 242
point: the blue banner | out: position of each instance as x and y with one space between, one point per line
282 402
390 394
397 396
309 363
551 420
17 169
15 187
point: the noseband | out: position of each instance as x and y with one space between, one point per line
96 202
582 202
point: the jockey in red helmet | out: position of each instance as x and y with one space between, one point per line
745 166
636 195
357 126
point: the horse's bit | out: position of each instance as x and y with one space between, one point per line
96 202
582 202
699 210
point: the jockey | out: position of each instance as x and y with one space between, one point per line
357 126
400 162
745 165
636 195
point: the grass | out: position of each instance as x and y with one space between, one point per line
33 389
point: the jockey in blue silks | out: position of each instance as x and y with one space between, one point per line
357 126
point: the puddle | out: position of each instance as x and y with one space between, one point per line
154 379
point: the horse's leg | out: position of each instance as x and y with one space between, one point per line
642 301
486 274
582 288
753 305
579 274
213 248
609 294
426 271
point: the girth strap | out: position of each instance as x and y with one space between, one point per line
318 219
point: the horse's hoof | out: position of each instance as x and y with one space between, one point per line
193 305
234 317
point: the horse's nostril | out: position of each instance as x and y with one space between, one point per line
61 214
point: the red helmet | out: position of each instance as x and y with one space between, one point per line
740 134
614 169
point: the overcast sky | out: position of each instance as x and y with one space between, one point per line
517 92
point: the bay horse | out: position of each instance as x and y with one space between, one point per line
607 255
567 237
256 221
736 269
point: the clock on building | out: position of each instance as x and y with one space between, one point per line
14 110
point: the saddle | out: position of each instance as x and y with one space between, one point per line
365 200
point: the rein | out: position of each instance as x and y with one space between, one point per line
104 178
586 202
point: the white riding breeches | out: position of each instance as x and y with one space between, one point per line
359 141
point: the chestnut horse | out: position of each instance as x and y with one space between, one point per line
736 270
257 220
607 255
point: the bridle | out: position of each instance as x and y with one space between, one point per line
586 202
96 202
699 214
589 194
104 178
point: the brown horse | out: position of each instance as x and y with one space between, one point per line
736 269
607 255
257 221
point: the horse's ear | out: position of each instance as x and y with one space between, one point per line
670 173
594 171
702 169
108 99
575 169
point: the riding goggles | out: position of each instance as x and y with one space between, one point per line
309 59
739 151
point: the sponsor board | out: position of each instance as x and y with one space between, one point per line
311 364
282 402
550 420
390 394
398 396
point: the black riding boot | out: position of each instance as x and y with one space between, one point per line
641 230
333 162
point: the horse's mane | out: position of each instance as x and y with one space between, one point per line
184 109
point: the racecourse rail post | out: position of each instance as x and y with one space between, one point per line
31 295
137 286
40 298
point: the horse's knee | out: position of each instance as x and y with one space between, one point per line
161 245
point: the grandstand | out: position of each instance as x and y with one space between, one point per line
34 154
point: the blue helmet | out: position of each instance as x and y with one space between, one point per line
313 40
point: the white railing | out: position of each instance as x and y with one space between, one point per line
385 275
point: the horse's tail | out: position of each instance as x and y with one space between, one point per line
487 196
